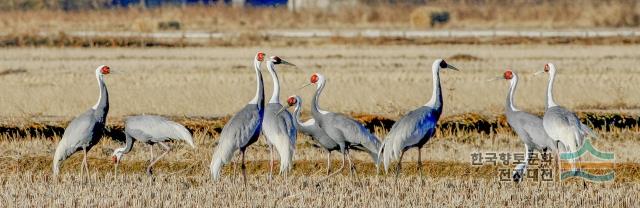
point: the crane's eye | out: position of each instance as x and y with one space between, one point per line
105 70
314 78
508 74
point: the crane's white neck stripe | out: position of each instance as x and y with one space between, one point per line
100 85
512 89
435 69
321 83
552 77
256 65
275 96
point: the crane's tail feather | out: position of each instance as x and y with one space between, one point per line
59 156
380 155
387 154
588 132
285 150
222 155
390 153
182 133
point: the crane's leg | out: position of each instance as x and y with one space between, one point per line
420 165
83 166
234 160
151 153
270 162
167 148
344 156
328 162
399 166
520 171
558 159
352 166
244 170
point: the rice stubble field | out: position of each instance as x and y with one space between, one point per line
58 83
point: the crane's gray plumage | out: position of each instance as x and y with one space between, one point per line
417 127
278 128
243 129
85 130
528 127
346 132
562 125
312 129
151 129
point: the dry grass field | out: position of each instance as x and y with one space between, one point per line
59 83
182 178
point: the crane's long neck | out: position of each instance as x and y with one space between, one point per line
315 108
128 145
275 97
101 107
297 113
259 98
550 101
510 105
436 97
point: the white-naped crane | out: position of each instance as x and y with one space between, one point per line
242 130
151 130
417 127
562 125
86 130
278 128
312 129
529 128
345 131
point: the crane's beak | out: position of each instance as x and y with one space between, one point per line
286 63
538 73
115 164
452 67
495 78
303 86
281 109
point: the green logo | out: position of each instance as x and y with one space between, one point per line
576 164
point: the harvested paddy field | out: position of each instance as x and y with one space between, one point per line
43 88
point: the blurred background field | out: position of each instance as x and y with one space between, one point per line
208 15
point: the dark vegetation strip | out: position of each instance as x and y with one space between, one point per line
463 123
64 40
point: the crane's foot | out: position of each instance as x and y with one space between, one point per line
517 177
149 171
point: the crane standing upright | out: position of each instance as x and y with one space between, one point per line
562 125
528 127
242 130
417 127
85 130
151 130
278 128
